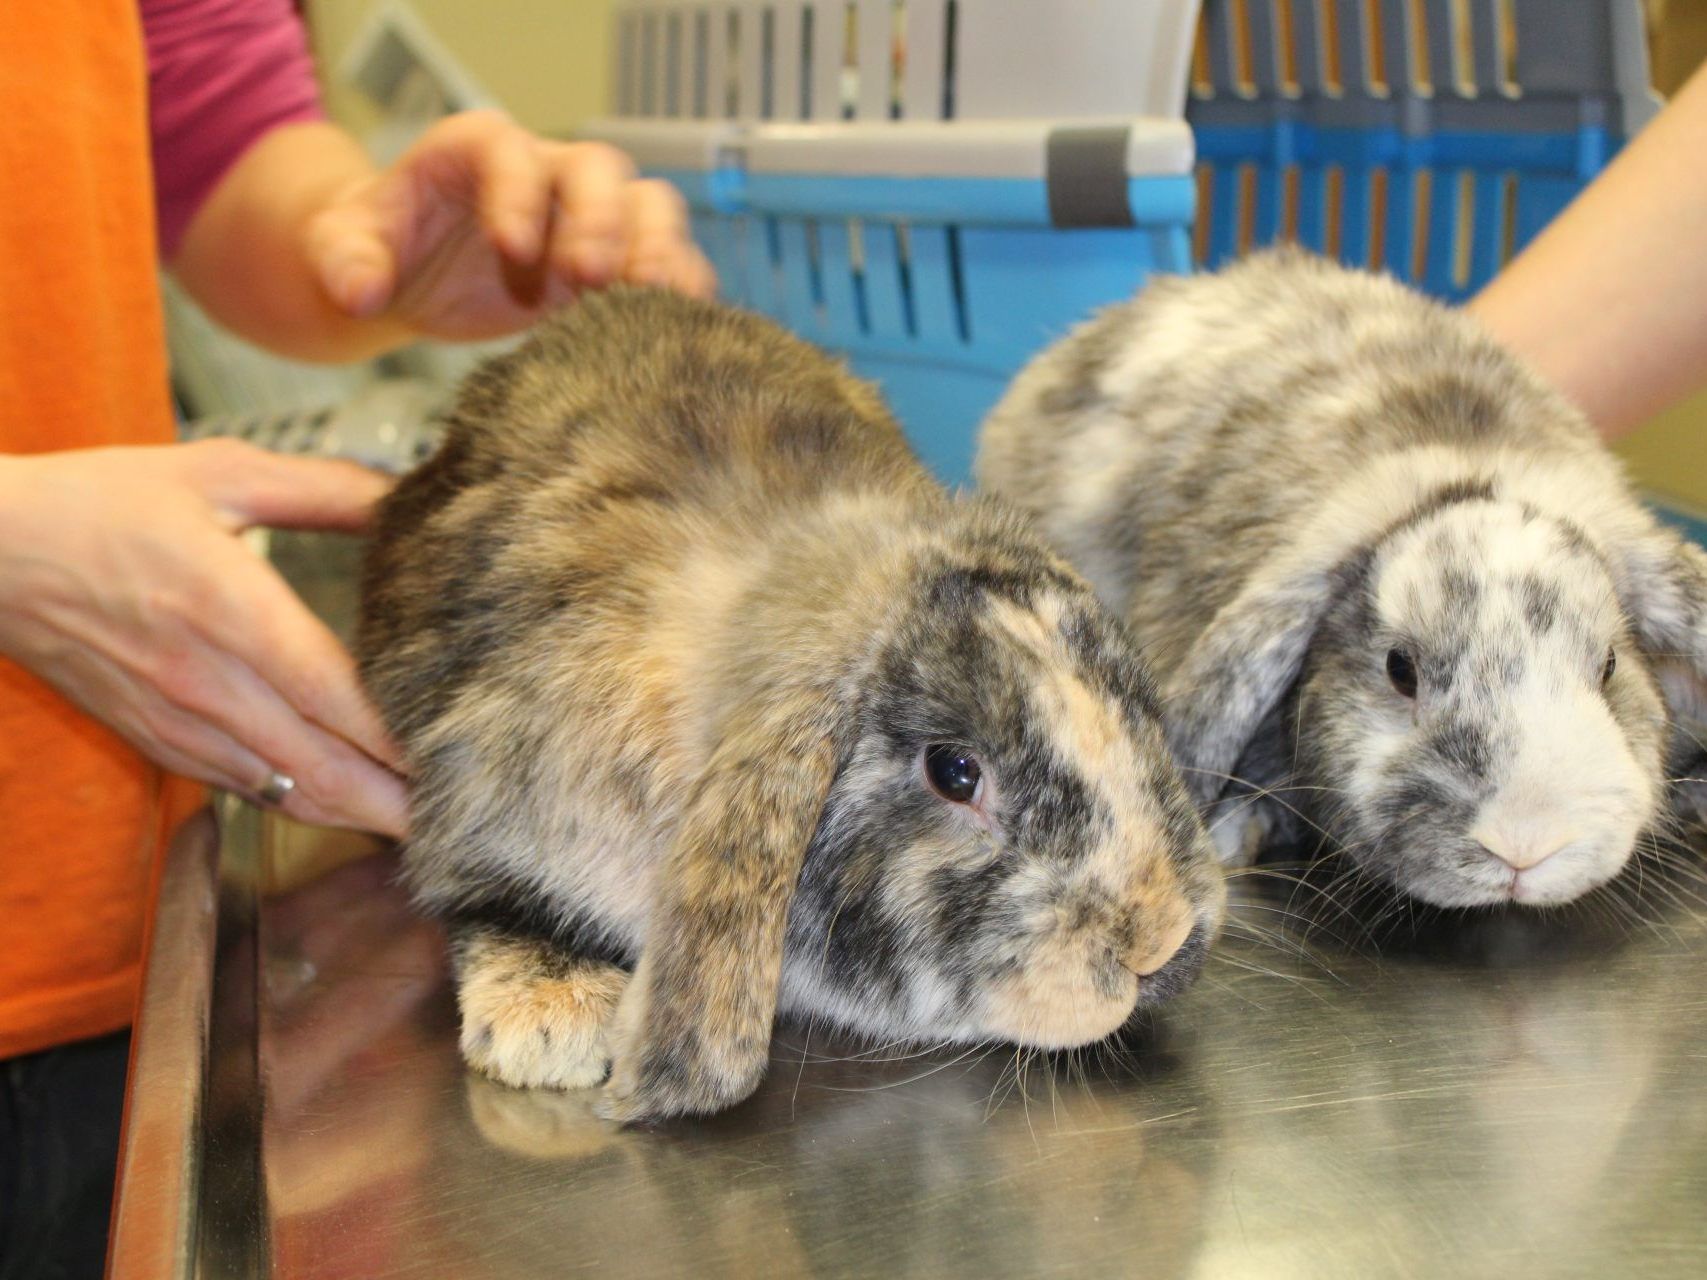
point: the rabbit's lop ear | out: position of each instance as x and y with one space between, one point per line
1251 654
1664 590
692 1033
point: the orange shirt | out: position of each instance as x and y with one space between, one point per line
82 362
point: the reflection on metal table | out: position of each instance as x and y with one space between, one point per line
1521 1097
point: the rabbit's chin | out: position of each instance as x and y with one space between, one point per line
1484 881
1053 1011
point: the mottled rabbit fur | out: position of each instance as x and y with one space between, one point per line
1394 589
683 646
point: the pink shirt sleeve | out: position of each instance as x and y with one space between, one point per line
220 74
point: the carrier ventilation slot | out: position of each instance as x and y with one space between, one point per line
701 65
856 264
1463 49
1244 81
957 285
773 252
1379 180
897 58
649 65
1507 58
1287 36
1508 218
732 64
1333 210
625 55
1422 205
904 274
1202 83
806 19
1464 242
1290 193
1422 66
673 66
815 270
850 60
767 63
1245 181
950 34
1377 74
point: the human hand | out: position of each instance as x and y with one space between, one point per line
124 585
481 227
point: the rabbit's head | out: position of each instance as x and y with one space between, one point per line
1007 851
973 831
1478 712
1476 691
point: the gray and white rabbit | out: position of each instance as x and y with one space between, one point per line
1393 587
693 665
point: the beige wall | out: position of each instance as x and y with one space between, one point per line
1669 455
547 61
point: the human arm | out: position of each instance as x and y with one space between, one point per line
1610 301
123 582
476 231
280 226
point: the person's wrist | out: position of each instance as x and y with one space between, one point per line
20 543
14 472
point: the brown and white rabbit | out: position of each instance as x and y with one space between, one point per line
694 665
1393 587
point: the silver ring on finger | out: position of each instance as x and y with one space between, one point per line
277 786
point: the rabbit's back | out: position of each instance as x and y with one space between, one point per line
641 383
625 432
537 593
1174 441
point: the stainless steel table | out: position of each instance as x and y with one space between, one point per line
1518 1098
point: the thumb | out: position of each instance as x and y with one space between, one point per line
350 254
255 487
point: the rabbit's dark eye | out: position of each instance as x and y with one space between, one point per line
1610 667
953 772
1402 672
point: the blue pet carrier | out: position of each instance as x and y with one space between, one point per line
939 188
1428 138
936 188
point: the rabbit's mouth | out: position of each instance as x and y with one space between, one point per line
1475 874
1077 991
1049 1008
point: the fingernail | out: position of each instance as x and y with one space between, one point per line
521 237
593 260
357 289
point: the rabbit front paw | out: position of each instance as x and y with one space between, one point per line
533 1017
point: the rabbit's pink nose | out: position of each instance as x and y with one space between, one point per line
1147 961
1523 852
